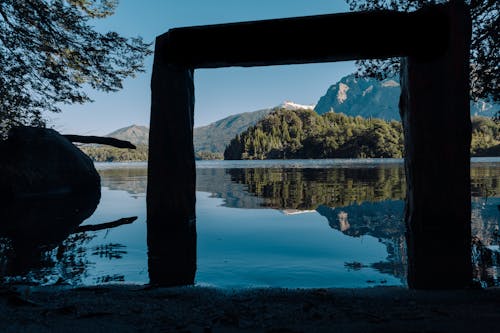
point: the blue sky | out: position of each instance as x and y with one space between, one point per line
219 92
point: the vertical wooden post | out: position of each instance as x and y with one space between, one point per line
434 107
171 193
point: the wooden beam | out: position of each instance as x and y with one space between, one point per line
171 228
310 39
435 111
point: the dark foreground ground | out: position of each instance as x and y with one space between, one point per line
196 309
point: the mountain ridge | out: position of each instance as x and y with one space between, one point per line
352 96
137 134
372 98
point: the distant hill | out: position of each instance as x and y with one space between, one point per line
138 135
216 136
368 97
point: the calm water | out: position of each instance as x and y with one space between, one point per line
326 223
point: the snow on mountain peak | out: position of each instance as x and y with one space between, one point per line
289 105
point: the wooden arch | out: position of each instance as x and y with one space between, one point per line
434 105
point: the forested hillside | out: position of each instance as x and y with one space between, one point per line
287 134
302 133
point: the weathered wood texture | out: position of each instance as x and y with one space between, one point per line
358 35
435 111
171 175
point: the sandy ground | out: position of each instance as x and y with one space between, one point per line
197 309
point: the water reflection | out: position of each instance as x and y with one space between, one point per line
31 228
132 180
42 240
356 201
360 200
302 189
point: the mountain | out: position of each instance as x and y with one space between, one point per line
138 135
368 97
365 97
215 136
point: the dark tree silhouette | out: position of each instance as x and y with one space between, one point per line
485 49
49 52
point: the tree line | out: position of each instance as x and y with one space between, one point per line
100 153
290 134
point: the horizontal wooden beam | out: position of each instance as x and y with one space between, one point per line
309 39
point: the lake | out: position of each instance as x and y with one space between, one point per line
295 223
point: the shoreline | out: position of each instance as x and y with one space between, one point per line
291 163
132 308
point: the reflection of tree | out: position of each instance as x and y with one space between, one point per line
485 180
110 278
67 263
305 189
109 251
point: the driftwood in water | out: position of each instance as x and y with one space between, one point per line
100 140
107 225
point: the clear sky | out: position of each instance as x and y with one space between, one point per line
219 92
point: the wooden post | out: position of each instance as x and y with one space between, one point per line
434 107
171 193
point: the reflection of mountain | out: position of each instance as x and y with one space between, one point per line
218 183
485 218
382 220
132 180
356 200
363 200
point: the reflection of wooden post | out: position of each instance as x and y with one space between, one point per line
436 117
171 174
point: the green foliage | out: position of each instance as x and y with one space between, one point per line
100 153
49 51
286 134
305 134
484 50
485 137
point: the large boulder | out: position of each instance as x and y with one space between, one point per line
47 188
39 162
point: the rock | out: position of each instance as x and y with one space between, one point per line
39 162
48 188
